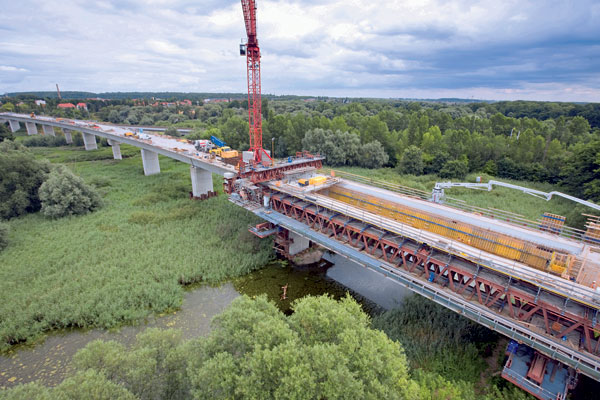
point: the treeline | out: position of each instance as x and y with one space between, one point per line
447 139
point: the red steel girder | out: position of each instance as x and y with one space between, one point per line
460 277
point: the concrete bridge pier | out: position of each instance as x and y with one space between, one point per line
14 125
31 128
297 243
48 130
150 162
202 183
89 141
68 137
116 149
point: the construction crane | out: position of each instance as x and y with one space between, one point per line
58 92
252 52
437 195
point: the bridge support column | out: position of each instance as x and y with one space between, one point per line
48 130
297 243
89 141
31 128
68 137
116 149
202 183
14 125
150 162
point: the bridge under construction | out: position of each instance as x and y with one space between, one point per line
533 281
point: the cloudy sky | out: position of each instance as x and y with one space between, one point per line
508 49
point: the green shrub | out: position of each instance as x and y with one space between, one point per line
3 235
411 162
455 169
21 176
5 133
64 194
44 141
172 131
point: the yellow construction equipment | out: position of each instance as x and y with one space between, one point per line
315 180
225 152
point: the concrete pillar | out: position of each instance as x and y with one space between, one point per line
68 136
116 148
150 162
14 125
202 182
298 243
89 141
49 130
31 128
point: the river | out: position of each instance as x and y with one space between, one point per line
50 361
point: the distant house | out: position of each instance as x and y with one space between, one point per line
81 106
40 102
66 105
186 102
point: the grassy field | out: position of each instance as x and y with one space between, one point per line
500 198
126 260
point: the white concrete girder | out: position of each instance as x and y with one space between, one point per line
89 141
202 182
150 162
48 130
68 137
14 125
31 128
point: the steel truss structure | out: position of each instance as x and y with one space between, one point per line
559 319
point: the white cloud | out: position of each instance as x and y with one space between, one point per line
9 68
398 48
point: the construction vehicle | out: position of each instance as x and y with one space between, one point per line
203 145
221 149
225 152
131 135
315 180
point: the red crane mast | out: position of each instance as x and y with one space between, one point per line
252 53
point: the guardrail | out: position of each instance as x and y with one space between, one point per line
507 216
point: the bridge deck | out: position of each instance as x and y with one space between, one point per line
165 145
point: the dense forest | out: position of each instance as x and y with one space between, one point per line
556 143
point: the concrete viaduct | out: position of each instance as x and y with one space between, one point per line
202 165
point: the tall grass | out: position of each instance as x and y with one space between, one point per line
124 261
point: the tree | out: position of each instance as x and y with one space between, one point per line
5 133
490 168
172 131
21 176
3 235
64 193
455 169
581 172
325 349
411 161
373 155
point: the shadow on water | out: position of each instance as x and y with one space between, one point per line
299 281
